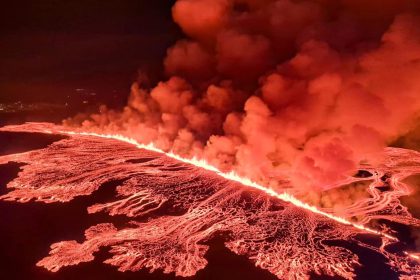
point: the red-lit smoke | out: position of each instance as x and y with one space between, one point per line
306 89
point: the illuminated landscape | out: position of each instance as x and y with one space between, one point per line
174 207
210 139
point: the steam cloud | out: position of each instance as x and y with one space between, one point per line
275 88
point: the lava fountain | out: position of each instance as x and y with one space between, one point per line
175 205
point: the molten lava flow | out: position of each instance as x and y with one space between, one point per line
230 176
277 231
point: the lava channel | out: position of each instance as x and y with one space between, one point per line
175 206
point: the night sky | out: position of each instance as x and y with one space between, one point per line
299 96
50 48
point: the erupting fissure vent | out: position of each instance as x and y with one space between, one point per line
276 231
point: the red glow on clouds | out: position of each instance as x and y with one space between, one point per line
269 108
264 87
264 225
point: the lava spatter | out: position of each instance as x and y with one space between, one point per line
277 232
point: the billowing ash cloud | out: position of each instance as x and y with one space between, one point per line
306 89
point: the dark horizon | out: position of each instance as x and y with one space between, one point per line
269 130
49 50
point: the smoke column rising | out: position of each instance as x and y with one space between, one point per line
274 90
176 206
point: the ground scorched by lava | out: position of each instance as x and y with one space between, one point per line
276 232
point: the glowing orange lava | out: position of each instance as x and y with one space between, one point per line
230 176
276 231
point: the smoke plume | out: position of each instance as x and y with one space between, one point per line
274 89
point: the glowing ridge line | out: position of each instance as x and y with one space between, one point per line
231 176
415 256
